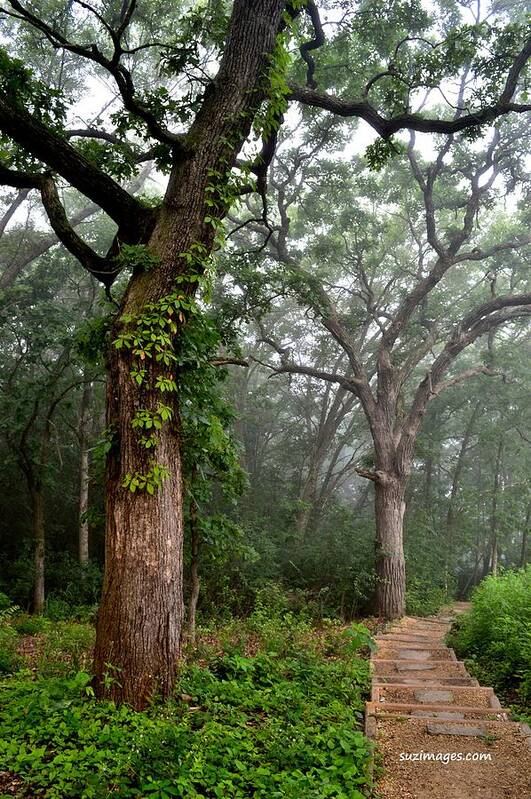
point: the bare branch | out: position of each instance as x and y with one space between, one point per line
480 369
13 207
229 362
103 269
317 41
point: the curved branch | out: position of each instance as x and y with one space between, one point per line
480 321
121 75
317 41
387 127
102 269
59 155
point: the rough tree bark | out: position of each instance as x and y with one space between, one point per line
195 582
390 564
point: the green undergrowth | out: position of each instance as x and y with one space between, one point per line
494 638
424 599
266 708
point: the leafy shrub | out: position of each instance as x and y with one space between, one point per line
61 610
66 649
261 726
9 660
424 599
30 625
495 636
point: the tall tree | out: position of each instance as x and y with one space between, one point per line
375 317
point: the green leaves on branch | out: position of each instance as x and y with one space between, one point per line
45 104
149 482
117 160
380 152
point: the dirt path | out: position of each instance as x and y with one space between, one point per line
439 734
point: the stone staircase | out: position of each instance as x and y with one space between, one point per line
424 700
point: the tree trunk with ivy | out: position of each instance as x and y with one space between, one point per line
141 614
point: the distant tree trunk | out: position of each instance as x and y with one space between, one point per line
450 515
428 468
525 532
194 571
84 477
307 500
494 512
390 563
37 507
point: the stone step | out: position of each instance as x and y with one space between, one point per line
418 655
429 669
394 642
440 694
416 624
397 679
412 710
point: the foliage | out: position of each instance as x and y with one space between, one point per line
424 599
261 718
495 636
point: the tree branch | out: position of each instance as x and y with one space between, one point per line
59 155
480 321
104 269
118 71
387 127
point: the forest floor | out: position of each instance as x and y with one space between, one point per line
440 735
270 705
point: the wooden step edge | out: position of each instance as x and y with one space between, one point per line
420 646
421 620
402 661
376 656
417 686
429 640
402 643
435 719
374 707
449 682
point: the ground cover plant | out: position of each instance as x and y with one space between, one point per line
495 637
271 706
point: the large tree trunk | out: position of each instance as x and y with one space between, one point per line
307 501
140 616
140 619
390 564
37 506
84 477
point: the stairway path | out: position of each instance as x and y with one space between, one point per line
426 708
